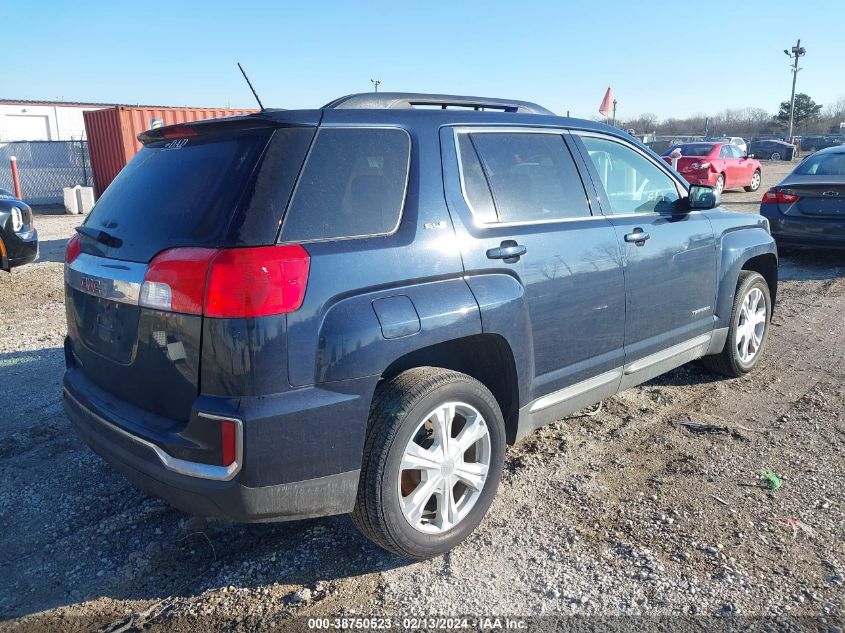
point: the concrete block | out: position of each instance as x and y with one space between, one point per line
85 198
71 200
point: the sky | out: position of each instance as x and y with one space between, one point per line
673 59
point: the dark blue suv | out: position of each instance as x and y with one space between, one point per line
355 309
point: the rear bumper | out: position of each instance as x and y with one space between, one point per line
697 178
804 231
243 497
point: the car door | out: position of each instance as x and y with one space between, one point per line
745 167
669 252
730 165
526 232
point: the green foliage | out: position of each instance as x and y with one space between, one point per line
805 110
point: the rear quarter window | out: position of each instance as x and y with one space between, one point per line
352 185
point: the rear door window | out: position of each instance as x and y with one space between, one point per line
532 177
352 185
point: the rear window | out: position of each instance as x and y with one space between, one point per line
179 192
691 149
831 164
352 185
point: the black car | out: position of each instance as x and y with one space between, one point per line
771 149
815 143
354 309
807 208
18 237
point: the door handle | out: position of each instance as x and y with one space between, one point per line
638 237
508 250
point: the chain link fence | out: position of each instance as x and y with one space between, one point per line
45 168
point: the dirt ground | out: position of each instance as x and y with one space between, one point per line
626 512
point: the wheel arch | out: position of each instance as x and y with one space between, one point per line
767 265
748 248
486 357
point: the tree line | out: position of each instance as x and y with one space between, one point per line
810 118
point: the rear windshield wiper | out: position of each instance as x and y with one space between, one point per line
98 235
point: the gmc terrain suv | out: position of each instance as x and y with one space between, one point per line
301 313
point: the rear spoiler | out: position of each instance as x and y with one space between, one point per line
256 120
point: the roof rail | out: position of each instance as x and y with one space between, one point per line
382 100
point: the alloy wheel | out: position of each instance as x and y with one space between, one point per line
720 184
751 326
444 468
755 181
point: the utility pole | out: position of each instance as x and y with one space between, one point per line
614 113
797 51
376 84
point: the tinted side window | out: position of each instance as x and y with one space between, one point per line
632 183
352 185
532 177
475 185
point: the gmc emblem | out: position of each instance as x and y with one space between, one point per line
93 286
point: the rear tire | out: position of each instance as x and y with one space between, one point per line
756 179
720 184
747 334
412 495
775 156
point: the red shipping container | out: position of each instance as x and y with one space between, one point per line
113 134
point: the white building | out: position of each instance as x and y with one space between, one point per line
43 120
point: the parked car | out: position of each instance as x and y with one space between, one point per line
772 150
18 237
733 140
811 144
362 305
718 165
807 208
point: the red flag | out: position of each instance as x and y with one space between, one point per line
606 106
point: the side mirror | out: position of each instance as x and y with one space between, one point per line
703 197
750 156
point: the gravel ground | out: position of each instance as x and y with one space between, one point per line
623 512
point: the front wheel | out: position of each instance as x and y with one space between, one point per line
756 179
432 462
749 328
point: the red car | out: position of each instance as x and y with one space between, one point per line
720 165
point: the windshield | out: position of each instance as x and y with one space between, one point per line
831 164
691 149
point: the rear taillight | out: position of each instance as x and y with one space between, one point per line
73 248
227 283
175 280
780 197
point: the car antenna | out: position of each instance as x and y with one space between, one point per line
249 83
